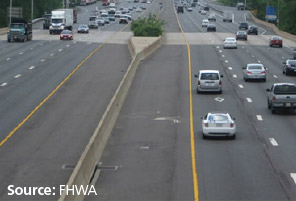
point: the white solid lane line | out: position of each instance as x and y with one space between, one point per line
3 84
31 67
273 142
17 76
249 100
259 117
293 175
241 86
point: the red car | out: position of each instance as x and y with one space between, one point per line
275 41
66 35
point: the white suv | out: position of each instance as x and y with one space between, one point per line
209 81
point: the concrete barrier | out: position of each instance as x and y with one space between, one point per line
92 154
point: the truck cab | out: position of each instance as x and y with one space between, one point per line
19 30
46 21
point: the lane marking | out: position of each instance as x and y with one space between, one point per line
249 100
230 68
67 45
192 143
275 76
226 61
8 59
259 117
60 50
3 84
217 47
253 56
223 55
21 53
259 61
273 142
234 75
42 60
241 86
31 48
31 67
220 51
293 175
17 76
52 54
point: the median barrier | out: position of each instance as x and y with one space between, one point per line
88 162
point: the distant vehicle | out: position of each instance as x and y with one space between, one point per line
281 96
193 4
241 35
111 17
218 124
240 6
138 10
227 16
101 22
148 2
254 72
118 13
112 5
93 18
93 24
243 25
66 35
212 17
289 67
275 41
204 23
104 14
123 19
230 43
125 10
61 19
209 81
19 30
253 30
111 11
180 9
104 2
203 12
83 28
74 15
130 8
106 20
129 17
206 8
136 1
46 21
82 2
211 27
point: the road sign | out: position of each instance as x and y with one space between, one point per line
16 12
270 14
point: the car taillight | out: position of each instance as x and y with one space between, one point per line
206 124
289 65
231 125
220 82
249 72
263 72
62 35
274 98
198 82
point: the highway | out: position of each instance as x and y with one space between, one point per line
149 155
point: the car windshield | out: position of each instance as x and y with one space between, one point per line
56 21
92 18
209 76
83 26
66 32
292 62
218 117
17 26
253 67
276 38
285 89
230 39
241 33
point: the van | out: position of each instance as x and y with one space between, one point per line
209 81
180 9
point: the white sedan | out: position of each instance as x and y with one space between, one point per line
230 43
218 124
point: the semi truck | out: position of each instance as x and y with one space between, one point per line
19 30
46 21
240 6
61 19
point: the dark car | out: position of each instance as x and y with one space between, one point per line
193 4
253 30
66 35
275 41
206 8
241 35
123 19
180 9
211 27
289 66
243 25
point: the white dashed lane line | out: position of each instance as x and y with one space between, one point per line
249 100
31 67
226 61
3 84
42 60
259 61
293 175
52 54
275 76
253 56
21 53
241 86
60 50
234 75
259 117
223 55
230 68
273 142
220 51
31 48
17 76
68 46
8 59
217 47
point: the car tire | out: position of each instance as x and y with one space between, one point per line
264 80
281 46
246 80
273 111
204 137
220 92
268 105
233 137
197 91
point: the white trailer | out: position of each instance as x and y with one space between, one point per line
61 19
227 16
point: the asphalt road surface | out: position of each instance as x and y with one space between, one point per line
149 151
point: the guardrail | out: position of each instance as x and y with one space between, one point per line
87 164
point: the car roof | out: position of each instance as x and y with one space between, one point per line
209 71
254 64
230 38
283 83
218 112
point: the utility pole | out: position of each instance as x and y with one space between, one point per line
10 12
278 15
32 10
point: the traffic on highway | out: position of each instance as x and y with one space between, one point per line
210 115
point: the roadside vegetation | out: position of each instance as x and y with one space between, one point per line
287 11
150 26
40 8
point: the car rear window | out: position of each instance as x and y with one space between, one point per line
285 89
276 38
209 76
292 62
217 117
255 67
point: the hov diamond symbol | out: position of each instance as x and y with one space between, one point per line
219 99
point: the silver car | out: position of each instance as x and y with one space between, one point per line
218 124
254 72
230 43
209 81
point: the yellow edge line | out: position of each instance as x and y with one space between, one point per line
57 88
194 172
